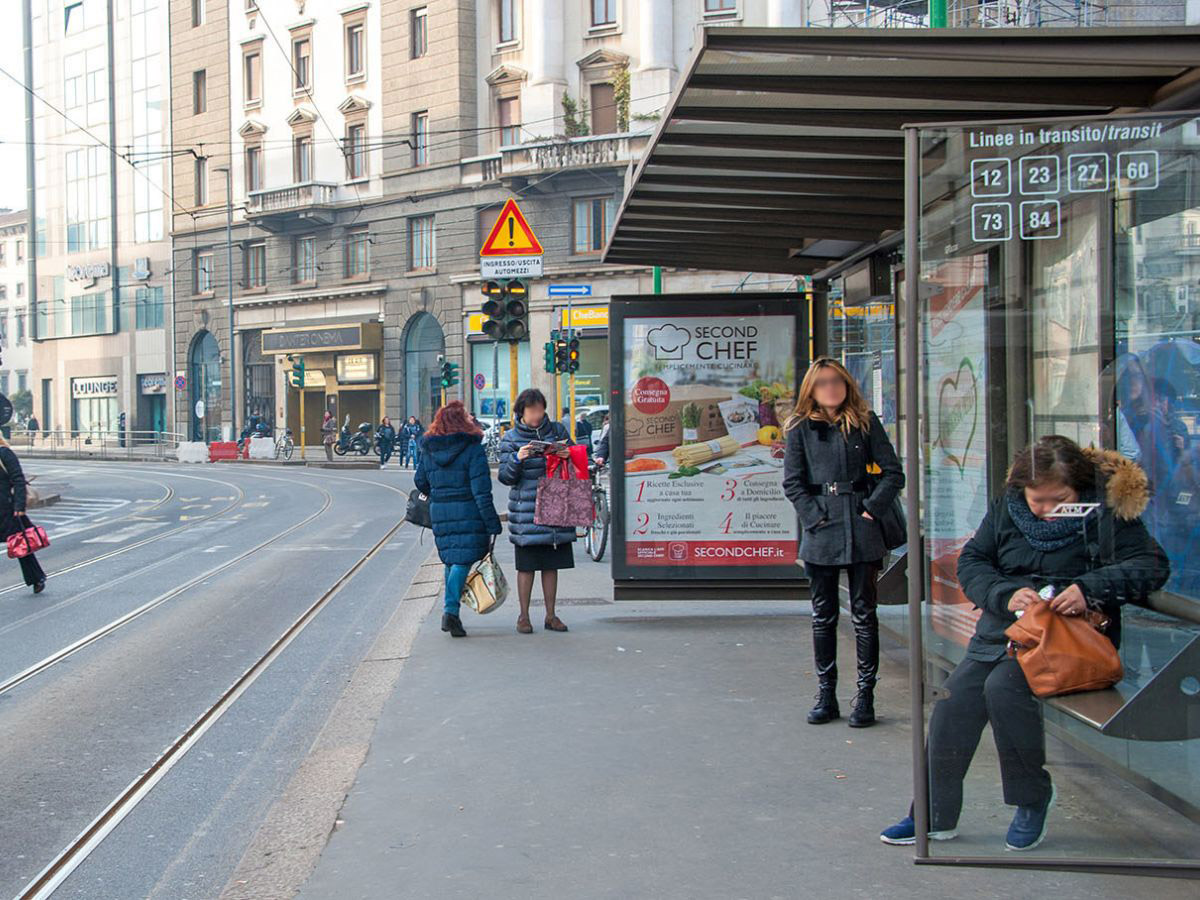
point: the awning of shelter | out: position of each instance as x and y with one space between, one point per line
781 150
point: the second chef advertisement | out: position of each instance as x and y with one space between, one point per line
705 399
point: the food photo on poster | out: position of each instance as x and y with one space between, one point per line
704 398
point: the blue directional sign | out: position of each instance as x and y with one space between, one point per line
570 290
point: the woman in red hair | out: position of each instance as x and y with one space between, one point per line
453 472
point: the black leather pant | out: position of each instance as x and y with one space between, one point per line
824 583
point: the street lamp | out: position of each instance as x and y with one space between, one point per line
227 170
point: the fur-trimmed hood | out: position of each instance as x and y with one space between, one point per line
1126 488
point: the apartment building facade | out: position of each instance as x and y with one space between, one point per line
370 147
98 131
16 354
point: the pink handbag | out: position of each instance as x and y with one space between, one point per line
30 539
564 501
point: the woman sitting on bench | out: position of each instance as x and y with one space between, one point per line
1100 562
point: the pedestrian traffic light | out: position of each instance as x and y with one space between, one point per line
560 356
297 378
573 355
548 349
506 310
449 374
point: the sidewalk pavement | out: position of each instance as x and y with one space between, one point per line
659 750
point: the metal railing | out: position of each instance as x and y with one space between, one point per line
965 13
97 444
291 198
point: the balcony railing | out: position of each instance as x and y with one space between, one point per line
295 198
607 150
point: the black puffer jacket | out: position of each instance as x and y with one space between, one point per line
835 532
12 492
522 476
1118 562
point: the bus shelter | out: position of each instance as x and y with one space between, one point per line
1003 234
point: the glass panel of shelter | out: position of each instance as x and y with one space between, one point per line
1059 281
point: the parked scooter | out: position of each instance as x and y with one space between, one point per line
353 442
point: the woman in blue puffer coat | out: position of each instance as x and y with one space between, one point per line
453 472
540 548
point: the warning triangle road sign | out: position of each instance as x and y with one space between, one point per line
511 235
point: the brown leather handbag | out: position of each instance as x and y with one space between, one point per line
1063 654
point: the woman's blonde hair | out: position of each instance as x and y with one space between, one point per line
853 413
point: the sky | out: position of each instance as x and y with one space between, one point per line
12 108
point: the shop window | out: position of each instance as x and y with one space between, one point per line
200 167
604 12
304 259
256 265
507 20
202 268
604 109
199 91
420 138
253 168
356 51
592 220
302 65
421 243
302 158
358 253
148 303
252 78
356 151
419 26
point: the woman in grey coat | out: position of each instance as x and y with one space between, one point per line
540 548
832 439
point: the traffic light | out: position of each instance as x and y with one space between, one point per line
548 349
506 309
449 374
560 356
297 377
573 355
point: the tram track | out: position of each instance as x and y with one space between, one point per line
240 497
77 851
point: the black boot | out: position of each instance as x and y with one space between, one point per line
826 709
453 624
863 714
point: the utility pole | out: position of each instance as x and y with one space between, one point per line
228 170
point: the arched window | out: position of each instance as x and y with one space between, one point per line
424 342
204 364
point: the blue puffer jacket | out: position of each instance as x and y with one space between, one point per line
522 476
454 473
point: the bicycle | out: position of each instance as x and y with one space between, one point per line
284 445
595 539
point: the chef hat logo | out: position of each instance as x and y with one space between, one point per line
668 341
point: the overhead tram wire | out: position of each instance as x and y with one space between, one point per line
99 142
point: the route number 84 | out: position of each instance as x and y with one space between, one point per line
1039 219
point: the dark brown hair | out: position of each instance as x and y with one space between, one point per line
1053 460
528 397
453 419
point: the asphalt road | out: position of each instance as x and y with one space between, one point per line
223 559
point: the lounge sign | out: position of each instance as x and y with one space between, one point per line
103 386
337 337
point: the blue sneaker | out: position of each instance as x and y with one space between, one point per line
904 833
1028 826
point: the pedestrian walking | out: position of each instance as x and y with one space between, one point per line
328 434
386 435
412 432
539 548
13 496
833 440
31 429
1018 550
454 474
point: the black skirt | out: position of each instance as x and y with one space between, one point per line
545 558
